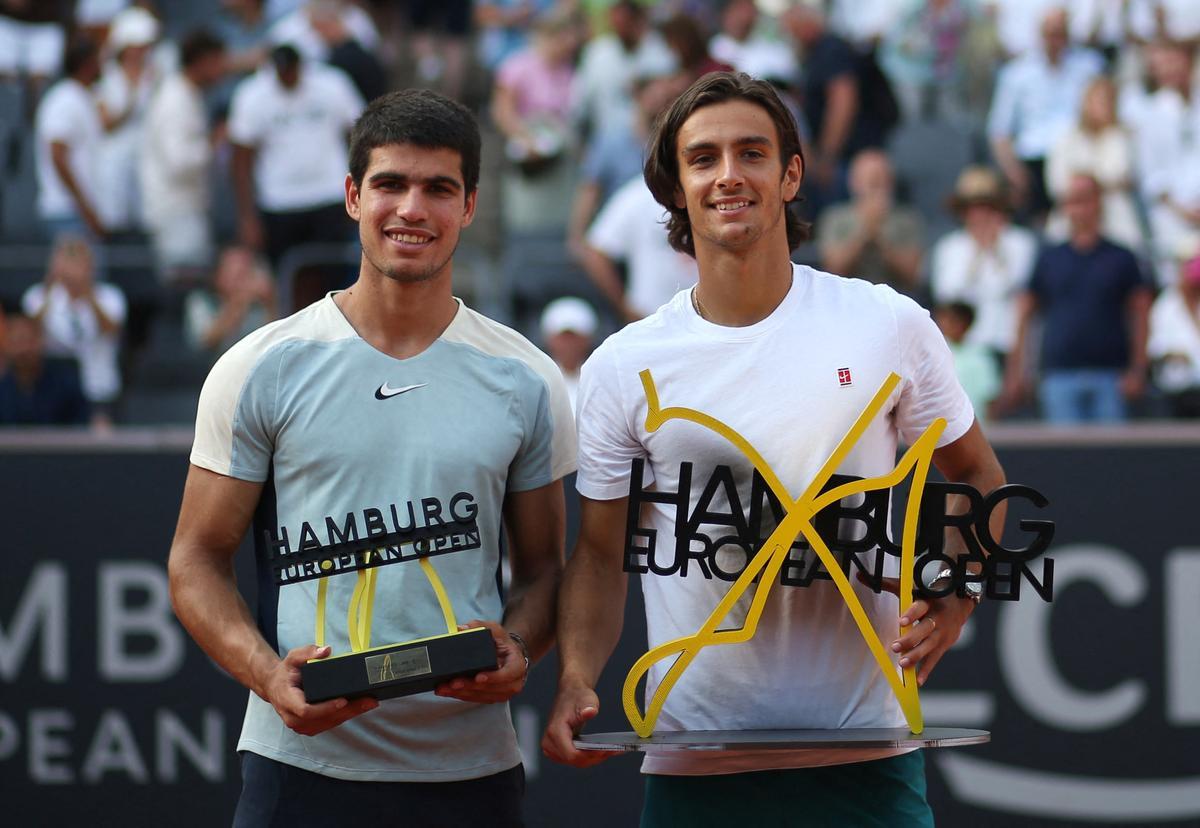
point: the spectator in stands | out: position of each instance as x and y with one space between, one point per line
603 94
685 39
302 28
176 161
615 155
1099 146
242 300
1170 20
123 93
631 229
1036 100
67 135
974 363
1174 346
347 53
740 45
871 237
503 27
289 125
1168 138
440 31
568 332
920 54
243 27
861 23
834 106
1094 303
31 43
82 319
985 263
531 107
35 391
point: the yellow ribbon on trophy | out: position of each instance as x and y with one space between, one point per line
771 556
362 604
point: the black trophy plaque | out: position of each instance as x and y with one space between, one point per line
399 669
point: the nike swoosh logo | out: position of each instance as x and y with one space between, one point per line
384 391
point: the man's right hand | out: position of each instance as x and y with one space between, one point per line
573 707
250 231
282 689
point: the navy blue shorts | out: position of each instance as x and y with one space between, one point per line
275 794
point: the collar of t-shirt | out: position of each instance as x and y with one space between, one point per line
726 333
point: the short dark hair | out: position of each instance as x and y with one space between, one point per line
963 310
422 118
197 45
79 51
662 164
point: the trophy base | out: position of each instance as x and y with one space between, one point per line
721 741
399 669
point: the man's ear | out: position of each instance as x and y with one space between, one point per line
469 208
679 199
793 174
352 206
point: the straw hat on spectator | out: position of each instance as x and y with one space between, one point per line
978 185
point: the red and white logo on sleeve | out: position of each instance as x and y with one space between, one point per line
844 377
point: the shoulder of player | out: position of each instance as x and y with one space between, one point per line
316 323
492 339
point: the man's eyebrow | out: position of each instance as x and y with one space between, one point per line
429 181
696 146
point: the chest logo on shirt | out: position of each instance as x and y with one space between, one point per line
844 377
385 391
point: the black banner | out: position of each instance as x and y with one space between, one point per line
108 710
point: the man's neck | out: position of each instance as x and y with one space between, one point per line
1085 240
740 288
401 319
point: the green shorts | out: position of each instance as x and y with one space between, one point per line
889 793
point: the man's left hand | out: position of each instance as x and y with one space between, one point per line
493 686
936 626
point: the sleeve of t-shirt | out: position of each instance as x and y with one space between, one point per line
58 120
112 301
612 231
235 420
245 125
33 299
929 386
547 451
608 443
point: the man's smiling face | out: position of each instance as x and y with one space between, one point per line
411 209
732 179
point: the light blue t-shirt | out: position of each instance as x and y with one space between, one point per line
345 436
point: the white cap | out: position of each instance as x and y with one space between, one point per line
132 27
568 314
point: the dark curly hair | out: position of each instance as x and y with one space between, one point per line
422 118
662 164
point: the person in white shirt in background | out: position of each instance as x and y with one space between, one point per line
1174 343
1036 99
82 318
240 301
603 92
301 28
568 327
984 263
67 135
176 159
1168 150
630 229
123 93
289 124
1099 146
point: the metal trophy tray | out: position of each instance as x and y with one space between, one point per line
721 741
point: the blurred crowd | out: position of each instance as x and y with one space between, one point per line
1027 169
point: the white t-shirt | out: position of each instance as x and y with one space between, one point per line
300 135
175 154
603 87
67 114
989 280
632 227
72 330
792 385
296 30
1175 332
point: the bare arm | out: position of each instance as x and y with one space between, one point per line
1014 379
583 210
242 167
590 615
1013 169
841 108
60 158
1138 307
969 460
603 273
536 524
212 520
